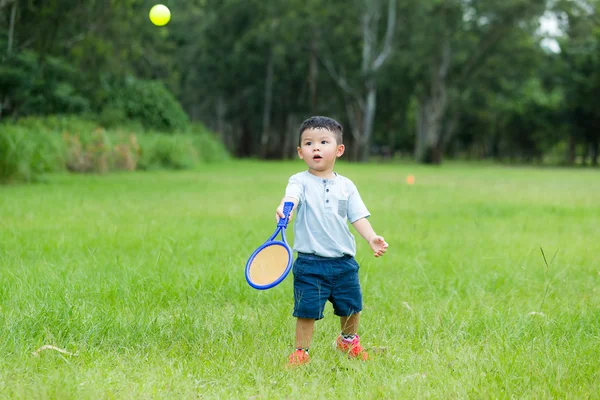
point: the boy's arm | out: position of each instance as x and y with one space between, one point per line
279 212
377 243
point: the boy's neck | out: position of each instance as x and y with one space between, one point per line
328 174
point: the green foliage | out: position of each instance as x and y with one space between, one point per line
41 85
174 152
112 63
209 146
180 151
112 115
34 146
26 155
580 76
57 123
148 102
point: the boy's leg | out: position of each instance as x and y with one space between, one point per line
349 324
304 332
347 303
311 291
348 341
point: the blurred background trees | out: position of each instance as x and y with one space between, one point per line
428 79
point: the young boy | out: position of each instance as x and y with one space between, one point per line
325 268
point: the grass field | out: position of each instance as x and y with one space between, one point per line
141 275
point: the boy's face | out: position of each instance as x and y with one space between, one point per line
319 149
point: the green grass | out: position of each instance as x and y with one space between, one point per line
141 275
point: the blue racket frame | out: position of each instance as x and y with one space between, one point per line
281 226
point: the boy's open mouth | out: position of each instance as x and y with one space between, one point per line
317 157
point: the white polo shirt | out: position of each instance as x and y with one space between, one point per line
324 208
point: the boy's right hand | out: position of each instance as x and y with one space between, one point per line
279 214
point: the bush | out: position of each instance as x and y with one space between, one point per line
209 146
25 157
36 88
172 152
126 153
148 102
88 153
32 146
57 123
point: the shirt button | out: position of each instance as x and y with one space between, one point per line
326 201
327 190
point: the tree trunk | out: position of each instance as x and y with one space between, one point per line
11 28
354 113
432 110
428 145
244 144
290 140
429 127
266 132
492 149
391 143
355 152
220 111
361 105
449 131
571 150
368 119
313 73
4 100
594 149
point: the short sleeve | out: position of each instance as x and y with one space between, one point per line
356 207
295 188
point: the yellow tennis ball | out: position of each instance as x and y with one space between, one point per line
160 15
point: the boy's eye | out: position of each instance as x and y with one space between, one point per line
323 141
308 143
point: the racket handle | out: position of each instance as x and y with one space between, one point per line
287 209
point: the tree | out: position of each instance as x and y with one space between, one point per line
436 77
360 98
581 77
455 39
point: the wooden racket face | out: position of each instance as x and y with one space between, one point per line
269 265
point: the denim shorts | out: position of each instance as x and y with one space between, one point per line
318 279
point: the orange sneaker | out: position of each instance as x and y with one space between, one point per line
352 348
299 357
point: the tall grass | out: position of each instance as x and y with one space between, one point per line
26 156
141 276
31 147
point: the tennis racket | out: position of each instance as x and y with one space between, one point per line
268 266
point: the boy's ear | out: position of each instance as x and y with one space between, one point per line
300 153
340 150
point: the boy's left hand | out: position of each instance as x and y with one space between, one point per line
378 245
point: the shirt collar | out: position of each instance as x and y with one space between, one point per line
325 180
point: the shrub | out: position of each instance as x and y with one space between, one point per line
210 148
88 153
172 152
127 154
148 102
32 146
33 88
25 157
57 123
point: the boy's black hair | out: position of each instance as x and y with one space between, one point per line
319 122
